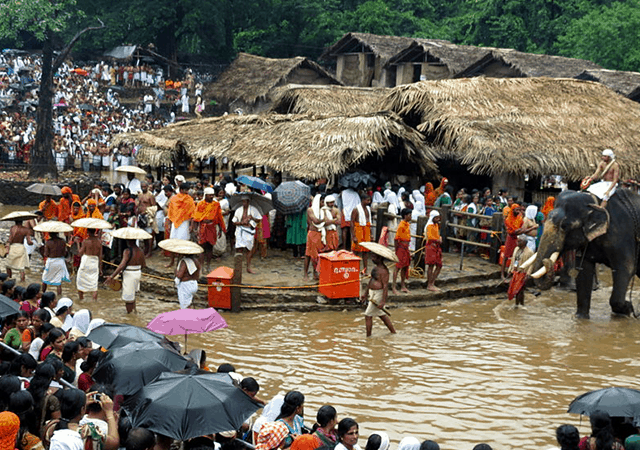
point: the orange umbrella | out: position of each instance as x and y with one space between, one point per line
80 72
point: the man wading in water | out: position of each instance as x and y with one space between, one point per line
376 293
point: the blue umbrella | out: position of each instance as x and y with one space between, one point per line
291 197
255 182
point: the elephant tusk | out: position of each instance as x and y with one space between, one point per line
554 257
529 261
540 272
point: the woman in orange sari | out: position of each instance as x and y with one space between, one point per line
430 196
548 206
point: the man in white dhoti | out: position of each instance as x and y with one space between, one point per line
55 269
131 268
187 275
246 218
17 258
609 172
90 265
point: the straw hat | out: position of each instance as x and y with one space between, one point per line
89 222
131 169
53 226
19 215
181 246
130 233
381 250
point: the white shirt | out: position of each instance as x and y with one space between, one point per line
134 186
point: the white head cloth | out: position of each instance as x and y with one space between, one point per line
432 215
409 443
530 212
608 152
81 320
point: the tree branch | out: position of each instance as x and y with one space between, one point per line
65 51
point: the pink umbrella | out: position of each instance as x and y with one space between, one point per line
187 321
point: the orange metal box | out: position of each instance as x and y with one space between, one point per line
219 295
339 267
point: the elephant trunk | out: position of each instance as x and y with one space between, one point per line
549 250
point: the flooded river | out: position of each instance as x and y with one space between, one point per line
460 373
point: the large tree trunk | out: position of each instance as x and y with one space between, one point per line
42 161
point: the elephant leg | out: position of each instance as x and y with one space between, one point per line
621 278
584 287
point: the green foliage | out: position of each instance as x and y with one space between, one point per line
604 31
38 17
607 35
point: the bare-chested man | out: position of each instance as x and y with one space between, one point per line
55 269
17 258
609 172
187 276
246 219
131 268
145 200
315 226
90 264
376 294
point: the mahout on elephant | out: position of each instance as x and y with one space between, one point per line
609 236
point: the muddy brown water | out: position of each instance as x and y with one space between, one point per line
467 371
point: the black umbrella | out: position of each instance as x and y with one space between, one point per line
187 406
44 189
291 197
8 306
131 367
261 202
113 335
616 401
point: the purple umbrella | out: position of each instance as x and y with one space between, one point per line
187 321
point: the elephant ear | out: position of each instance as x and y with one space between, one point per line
597 222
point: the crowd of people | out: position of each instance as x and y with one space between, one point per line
87 109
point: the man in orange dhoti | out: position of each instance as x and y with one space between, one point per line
519 279
332 220
433 250
315 227
401 241
79 234
92 209
66 204
49 208
209 223
361 228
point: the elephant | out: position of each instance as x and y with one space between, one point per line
607 235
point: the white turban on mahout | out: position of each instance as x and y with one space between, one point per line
608 152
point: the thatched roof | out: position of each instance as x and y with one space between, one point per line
304 146
384 47
530 64
455 57
538 126
624 83
303 99
250 78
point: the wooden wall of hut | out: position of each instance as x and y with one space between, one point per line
412 72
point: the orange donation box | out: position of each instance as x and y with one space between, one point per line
339 275
219 291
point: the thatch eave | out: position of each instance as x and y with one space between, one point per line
537 126
327 100
624 83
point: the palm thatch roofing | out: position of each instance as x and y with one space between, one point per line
535 126
250 78
384 47
530 64
304 99
624 83
455 57
304 146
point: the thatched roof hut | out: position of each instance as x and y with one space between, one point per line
508 63
304 146
624 83
437 60
361 58
298 99
248 81
535 126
